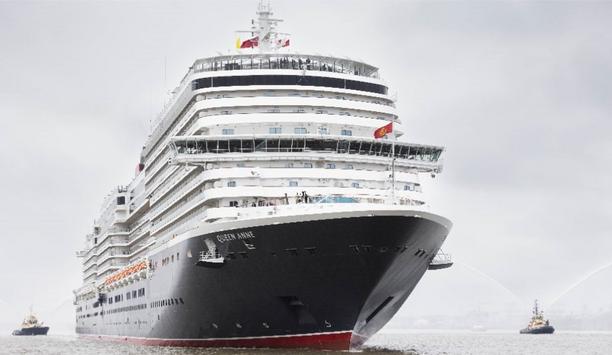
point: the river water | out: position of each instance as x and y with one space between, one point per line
411 342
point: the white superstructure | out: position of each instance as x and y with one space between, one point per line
260 132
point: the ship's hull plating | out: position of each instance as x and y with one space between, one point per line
31 331
326 283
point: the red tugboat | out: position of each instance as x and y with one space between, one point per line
538 325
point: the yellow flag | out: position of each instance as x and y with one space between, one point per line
238 42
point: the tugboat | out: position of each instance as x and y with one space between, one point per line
538 325
31 326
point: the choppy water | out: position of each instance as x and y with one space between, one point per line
417 343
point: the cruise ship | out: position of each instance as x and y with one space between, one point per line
272 206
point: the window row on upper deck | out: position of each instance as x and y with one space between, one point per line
301 80
285 61
302 144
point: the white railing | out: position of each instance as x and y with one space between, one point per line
169 184
186 206
187 187
286 61
316 94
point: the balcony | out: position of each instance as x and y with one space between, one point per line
287 61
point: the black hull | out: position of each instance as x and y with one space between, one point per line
548 329
31 331
329 283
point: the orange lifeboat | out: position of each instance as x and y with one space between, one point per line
125 272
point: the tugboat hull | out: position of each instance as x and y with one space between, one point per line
548 329
31 331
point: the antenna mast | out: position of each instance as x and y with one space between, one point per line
263 29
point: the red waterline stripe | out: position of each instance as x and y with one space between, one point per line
328 341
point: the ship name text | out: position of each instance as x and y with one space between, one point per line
227 237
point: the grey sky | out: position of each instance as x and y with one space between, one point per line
518 92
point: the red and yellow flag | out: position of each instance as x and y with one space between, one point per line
250 43
384 130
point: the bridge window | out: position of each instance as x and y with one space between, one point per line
302 80
310 144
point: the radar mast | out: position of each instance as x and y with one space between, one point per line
263 31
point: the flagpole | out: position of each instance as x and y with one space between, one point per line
393 172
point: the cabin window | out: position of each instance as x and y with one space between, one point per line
120 200
330 166
233 203
231 183
323 130
275 130
300 130
308 165
346 132
227 131
293 183
355 185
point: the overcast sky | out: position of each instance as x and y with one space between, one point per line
519 93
